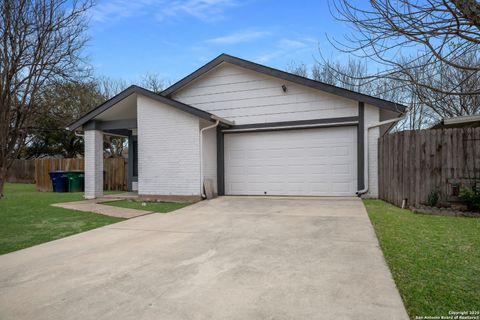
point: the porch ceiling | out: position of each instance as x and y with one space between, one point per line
124 109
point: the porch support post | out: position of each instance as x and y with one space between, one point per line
93 140
220 162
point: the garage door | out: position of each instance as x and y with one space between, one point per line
311 162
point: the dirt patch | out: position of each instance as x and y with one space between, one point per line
449 212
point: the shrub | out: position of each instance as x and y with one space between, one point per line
471 196
432 199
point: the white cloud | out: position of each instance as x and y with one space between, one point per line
264 58
294 44
120 9
239 37
287 47
205 10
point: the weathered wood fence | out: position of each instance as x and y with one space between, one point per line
412 164
22 171
115 172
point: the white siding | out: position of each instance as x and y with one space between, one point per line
209 159
246 96
372 116
93 164
168 150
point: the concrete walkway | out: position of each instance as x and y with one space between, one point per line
227 258
96 206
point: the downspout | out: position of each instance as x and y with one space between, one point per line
78 134
201 154
365 154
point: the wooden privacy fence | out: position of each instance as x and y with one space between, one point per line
115 172
412 164
22 171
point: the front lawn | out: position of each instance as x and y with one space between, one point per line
162 207
435 260
27 219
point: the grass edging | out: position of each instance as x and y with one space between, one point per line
27 217
434 260
160 207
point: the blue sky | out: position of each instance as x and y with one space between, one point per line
130 38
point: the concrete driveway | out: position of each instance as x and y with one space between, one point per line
228 258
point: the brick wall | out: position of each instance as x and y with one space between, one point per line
93 164
168 150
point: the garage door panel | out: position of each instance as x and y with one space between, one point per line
341 169
298 162
339 151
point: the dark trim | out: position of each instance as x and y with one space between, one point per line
118 132
91 125
284 76
317 126
141 91
130 163
271 125
110 125
220 162
361 147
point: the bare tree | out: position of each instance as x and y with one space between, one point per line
349 75
153 82
443 105
110 87
300 69
439 32
352 76
40 43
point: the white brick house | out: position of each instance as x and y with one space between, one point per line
250 129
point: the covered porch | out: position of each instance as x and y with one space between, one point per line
119 120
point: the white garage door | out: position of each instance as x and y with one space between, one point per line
311 162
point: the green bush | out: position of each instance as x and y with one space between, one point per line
471 196
432 199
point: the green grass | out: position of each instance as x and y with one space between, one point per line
27 219
435 260
162 207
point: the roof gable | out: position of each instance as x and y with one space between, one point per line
139 90
224 58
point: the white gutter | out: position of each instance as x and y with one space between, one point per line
201 154
461 119
365 152
223 120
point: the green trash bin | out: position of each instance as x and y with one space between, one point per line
76 181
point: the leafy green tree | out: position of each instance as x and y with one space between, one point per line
59 105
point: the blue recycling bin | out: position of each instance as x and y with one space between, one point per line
59 181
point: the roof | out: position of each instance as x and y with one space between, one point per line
380 103
139 90
458 122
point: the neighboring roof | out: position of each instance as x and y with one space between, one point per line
472 121
139 90
285 76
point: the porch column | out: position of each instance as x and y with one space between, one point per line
93 164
